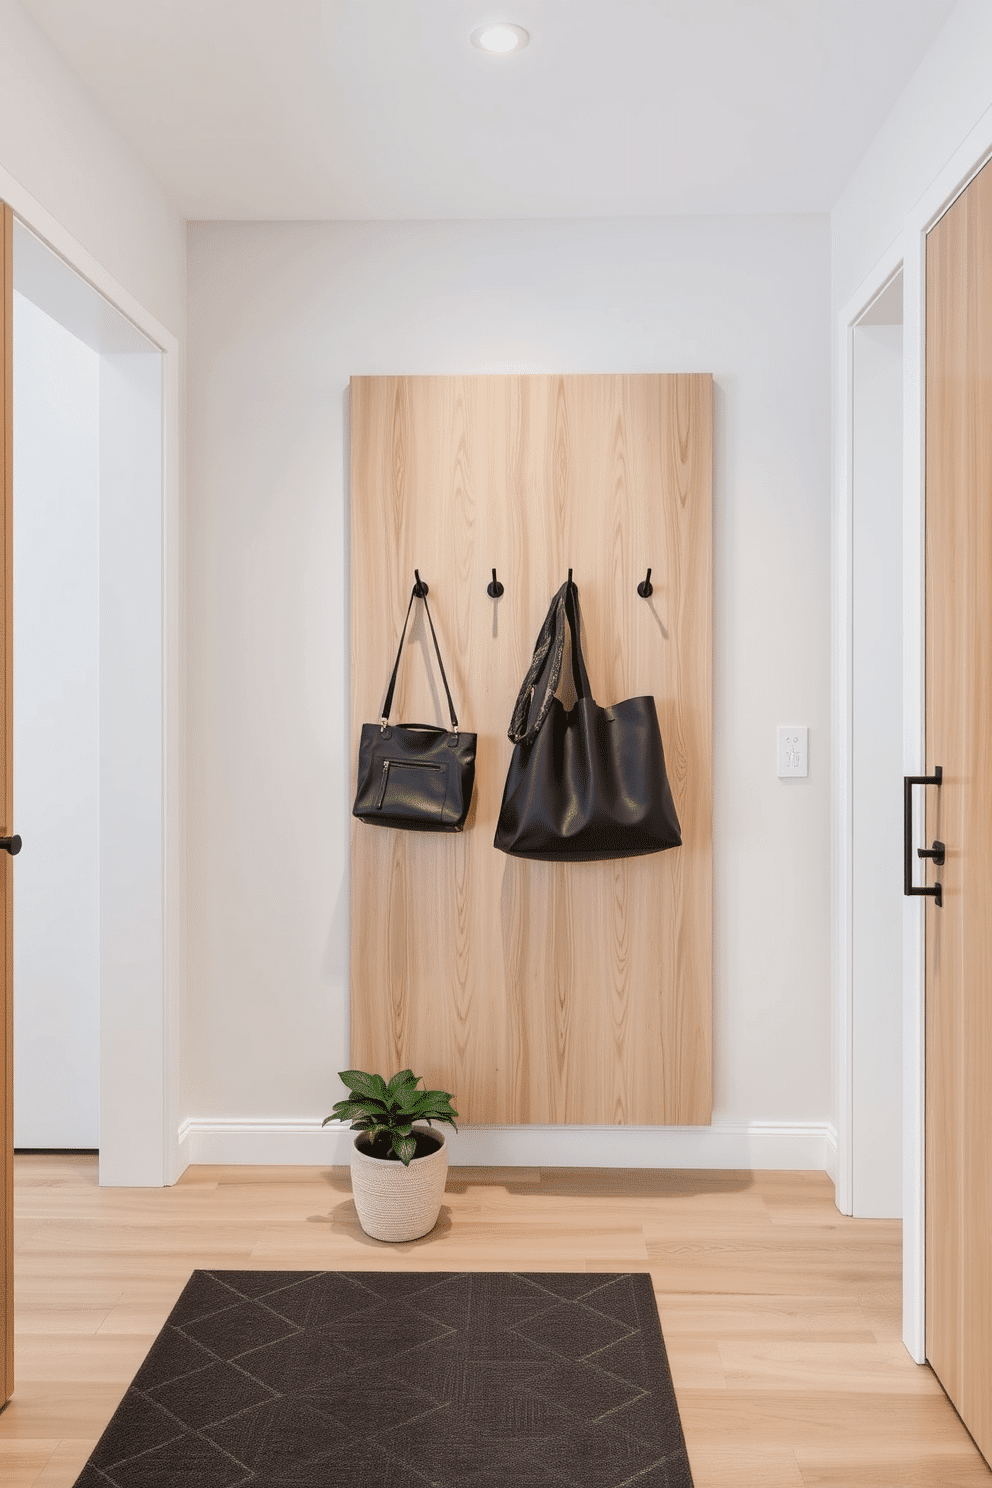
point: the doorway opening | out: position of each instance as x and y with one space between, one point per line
88 722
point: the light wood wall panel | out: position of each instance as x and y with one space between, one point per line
536 992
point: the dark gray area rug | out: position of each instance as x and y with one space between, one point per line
385 1379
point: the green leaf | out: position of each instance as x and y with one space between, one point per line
404 1147
404 1096
370 1107
432 1098
402 1077
345 1110
435 1108
356 1112
432 1116
358 1082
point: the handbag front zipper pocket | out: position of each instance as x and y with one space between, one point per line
401 765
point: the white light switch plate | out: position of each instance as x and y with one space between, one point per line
793 750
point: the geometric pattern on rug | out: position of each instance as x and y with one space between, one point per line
385 1379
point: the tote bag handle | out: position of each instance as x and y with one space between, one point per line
387 705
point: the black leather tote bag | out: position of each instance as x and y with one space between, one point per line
589 783
415 775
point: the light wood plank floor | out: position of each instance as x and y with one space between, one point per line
781 1316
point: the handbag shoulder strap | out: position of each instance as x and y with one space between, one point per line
579 673
550 631
387 705
550 644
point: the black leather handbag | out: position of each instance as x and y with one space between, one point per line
589 783
414 775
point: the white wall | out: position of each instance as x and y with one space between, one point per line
56 734
280 316
944 99
877 928
57 145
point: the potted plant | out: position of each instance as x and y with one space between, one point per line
398 1165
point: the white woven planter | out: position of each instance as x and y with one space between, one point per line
395 1202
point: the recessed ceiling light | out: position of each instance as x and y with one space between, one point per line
501 39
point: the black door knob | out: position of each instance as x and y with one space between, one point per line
11 845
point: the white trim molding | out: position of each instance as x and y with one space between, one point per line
831 1153
53 234
782 1145
842 661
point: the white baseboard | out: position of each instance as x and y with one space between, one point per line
801 1145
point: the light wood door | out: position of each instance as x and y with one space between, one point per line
959 739
536 992
6 810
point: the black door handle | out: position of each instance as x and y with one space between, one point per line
933 891
11 845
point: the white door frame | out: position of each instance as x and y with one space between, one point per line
155 1160
871 287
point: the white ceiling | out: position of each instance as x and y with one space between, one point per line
383 109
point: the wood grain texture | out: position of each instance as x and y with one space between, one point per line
536 992
959 737
6 805
795 1383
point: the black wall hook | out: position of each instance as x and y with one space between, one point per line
495 589
569 575
645 589
420 589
